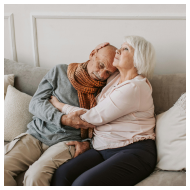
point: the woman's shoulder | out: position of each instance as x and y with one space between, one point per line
143 85
138 84
142 82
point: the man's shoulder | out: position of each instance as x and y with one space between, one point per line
61 66
60 70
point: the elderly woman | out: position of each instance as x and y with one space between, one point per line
124 151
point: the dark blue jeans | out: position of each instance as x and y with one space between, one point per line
111 167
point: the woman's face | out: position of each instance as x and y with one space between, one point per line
124 57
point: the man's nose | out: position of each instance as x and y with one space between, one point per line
103 74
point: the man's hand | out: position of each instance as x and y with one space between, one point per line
73 120
80 147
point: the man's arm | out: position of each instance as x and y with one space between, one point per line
40 105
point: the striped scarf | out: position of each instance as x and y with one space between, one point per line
86 87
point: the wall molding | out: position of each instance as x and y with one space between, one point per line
10 18
101 16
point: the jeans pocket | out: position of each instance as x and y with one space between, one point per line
8 147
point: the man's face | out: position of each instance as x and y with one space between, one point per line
100 65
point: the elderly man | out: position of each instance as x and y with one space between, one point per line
42 149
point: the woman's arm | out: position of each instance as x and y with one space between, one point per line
64 108
73 119
120 102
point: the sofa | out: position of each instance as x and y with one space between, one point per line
166 91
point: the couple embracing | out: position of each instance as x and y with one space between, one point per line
93 122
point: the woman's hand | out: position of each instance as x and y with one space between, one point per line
73 120
55 102
102 45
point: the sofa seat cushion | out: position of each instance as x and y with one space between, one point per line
165 178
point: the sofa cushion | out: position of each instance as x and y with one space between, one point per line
164 178
166 90
16 114
171 137
8 80
27 77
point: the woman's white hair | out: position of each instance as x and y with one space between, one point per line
144 55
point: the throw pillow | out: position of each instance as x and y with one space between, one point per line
8 80
16 114
171 137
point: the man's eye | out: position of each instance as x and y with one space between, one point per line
101 65
126 48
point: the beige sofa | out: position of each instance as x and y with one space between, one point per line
166 91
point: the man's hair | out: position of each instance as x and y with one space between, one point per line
144 55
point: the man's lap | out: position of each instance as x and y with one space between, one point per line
27 151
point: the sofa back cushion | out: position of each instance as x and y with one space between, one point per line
27 77
166 88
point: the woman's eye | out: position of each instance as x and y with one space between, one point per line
126 48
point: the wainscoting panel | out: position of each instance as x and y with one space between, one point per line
9 37
64 39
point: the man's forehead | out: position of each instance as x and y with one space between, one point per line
105 59
108 64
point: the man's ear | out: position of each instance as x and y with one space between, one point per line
94 52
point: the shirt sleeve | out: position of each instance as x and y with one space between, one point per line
40 105
120 102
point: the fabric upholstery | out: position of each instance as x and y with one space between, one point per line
166 90
16 114
8 80
171 137
164 178
27 78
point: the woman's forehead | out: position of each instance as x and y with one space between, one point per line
124 44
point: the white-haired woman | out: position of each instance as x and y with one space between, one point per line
124 151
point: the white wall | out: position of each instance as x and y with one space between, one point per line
45 35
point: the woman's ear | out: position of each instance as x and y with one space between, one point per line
94 52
